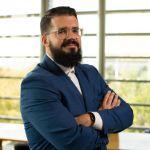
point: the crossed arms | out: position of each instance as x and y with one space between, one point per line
110 101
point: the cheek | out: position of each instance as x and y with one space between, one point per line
56 43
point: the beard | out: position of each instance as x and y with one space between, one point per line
68 59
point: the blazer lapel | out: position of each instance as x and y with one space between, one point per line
86 89
51 66
73 89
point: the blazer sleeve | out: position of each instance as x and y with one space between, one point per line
41 105
118 118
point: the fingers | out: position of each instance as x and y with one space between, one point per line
115 101
118 103
110 101
105 101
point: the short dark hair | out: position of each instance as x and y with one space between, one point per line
57 11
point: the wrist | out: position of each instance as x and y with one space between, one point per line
92 118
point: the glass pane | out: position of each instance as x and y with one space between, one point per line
84 23
141 116
20 26
18 64
119 23
15 7
132 92
91 61
127 4
10 87
128 69
135 93
10 71
10 108
89 5
90 45
20 46
127 46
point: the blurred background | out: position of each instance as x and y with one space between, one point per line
116 41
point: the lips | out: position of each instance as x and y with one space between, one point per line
71 45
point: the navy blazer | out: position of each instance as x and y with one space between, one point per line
50 102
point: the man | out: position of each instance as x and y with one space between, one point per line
66 105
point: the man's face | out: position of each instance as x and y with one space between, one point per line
65 41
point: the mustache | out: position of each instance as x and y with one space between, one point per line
70 41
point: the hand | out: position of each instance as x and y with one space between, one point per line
84 120
110 101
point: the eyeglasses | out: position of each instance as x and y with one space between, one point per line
62 33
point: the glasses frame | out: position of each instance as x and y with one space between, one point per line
63 32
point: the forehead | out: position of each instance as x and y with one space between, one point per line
64 21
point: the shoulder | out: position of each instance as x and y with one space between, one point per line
37 72
38 76
90 69
92 73
86 67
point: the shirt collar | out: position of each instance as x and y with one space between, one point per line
67 70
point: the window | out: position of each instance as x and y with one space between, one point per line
19 50
127 55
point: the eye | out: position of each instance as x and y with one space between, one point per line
62 31
75 30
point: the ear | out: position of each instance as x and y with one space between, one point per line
45 40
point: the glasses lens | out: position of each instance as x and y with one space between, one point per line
62 33
77 31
